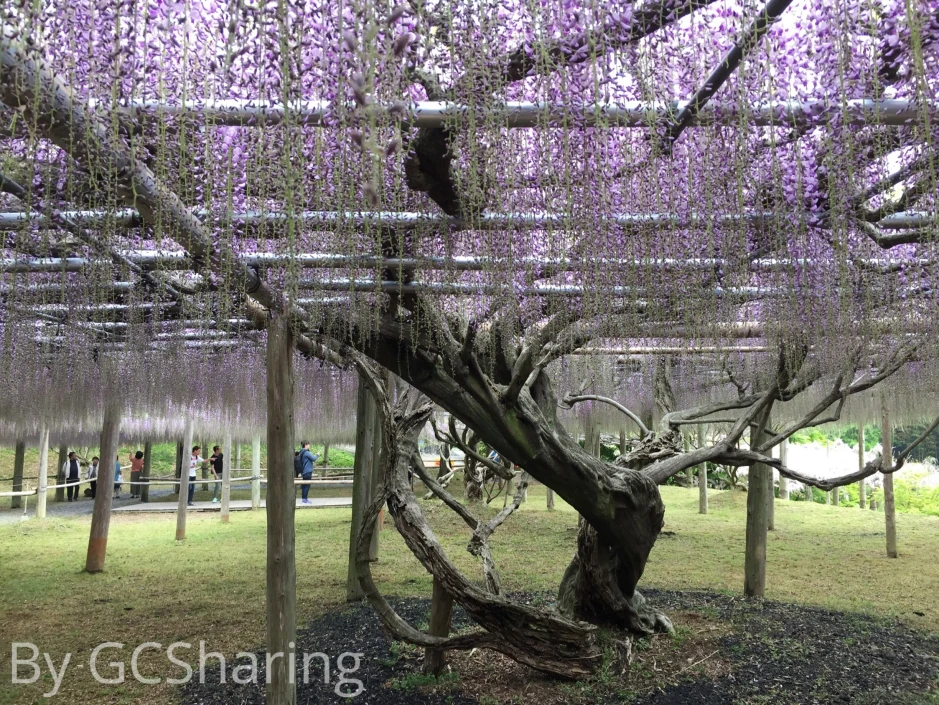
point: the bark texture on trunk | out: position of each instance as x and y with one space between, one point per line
542 640
281 507
890 512
101 514
19 462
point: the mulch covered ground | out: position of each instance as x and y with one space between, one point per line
728 651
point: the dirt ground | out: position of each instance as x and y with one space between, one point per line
727 651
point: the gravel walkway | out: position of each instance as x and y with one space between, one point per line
63 510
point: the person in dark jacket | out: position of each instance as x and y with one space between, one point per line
307 460
216 462
72 472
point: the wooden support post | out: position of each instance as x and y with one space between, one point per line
754 581
226 477
375 471
256 472
702 477
550 494
204 465
43 481
784 458
19 461
862 485
179 458
59 475
890 512
622 441
281 508
184 482
689 472
237 463
441 610
365 414
101 514
770 498
145 474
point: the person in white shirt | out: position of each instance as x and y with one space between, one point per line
194 461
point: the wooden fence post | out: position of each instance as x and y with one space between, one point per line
43 481
19 461
226 476
890 512
101 514
59 475
862 485
256 472
281 508
702 476
145 475
184 481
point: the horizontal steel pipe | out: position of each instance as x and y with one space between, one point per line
404 220
642 114
179 261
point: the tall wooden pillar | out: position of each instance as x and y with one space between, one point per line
184 481
145 475
179 458
236 465
365 416
43 481
19 461
204 465
890 511
281 508
550 501
770 498
226 476
754 584
441 610
101 515
256 472
702 477
325 461
862 485
60 476
784 459
622 441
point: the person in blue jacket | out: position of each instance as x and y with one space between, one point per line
306 459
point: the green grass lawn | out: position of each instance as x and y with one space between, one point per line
212 586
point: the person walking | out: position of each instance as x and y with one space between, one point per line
307 460
216 463
71 471
194 461
92 474
117 477
136 469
